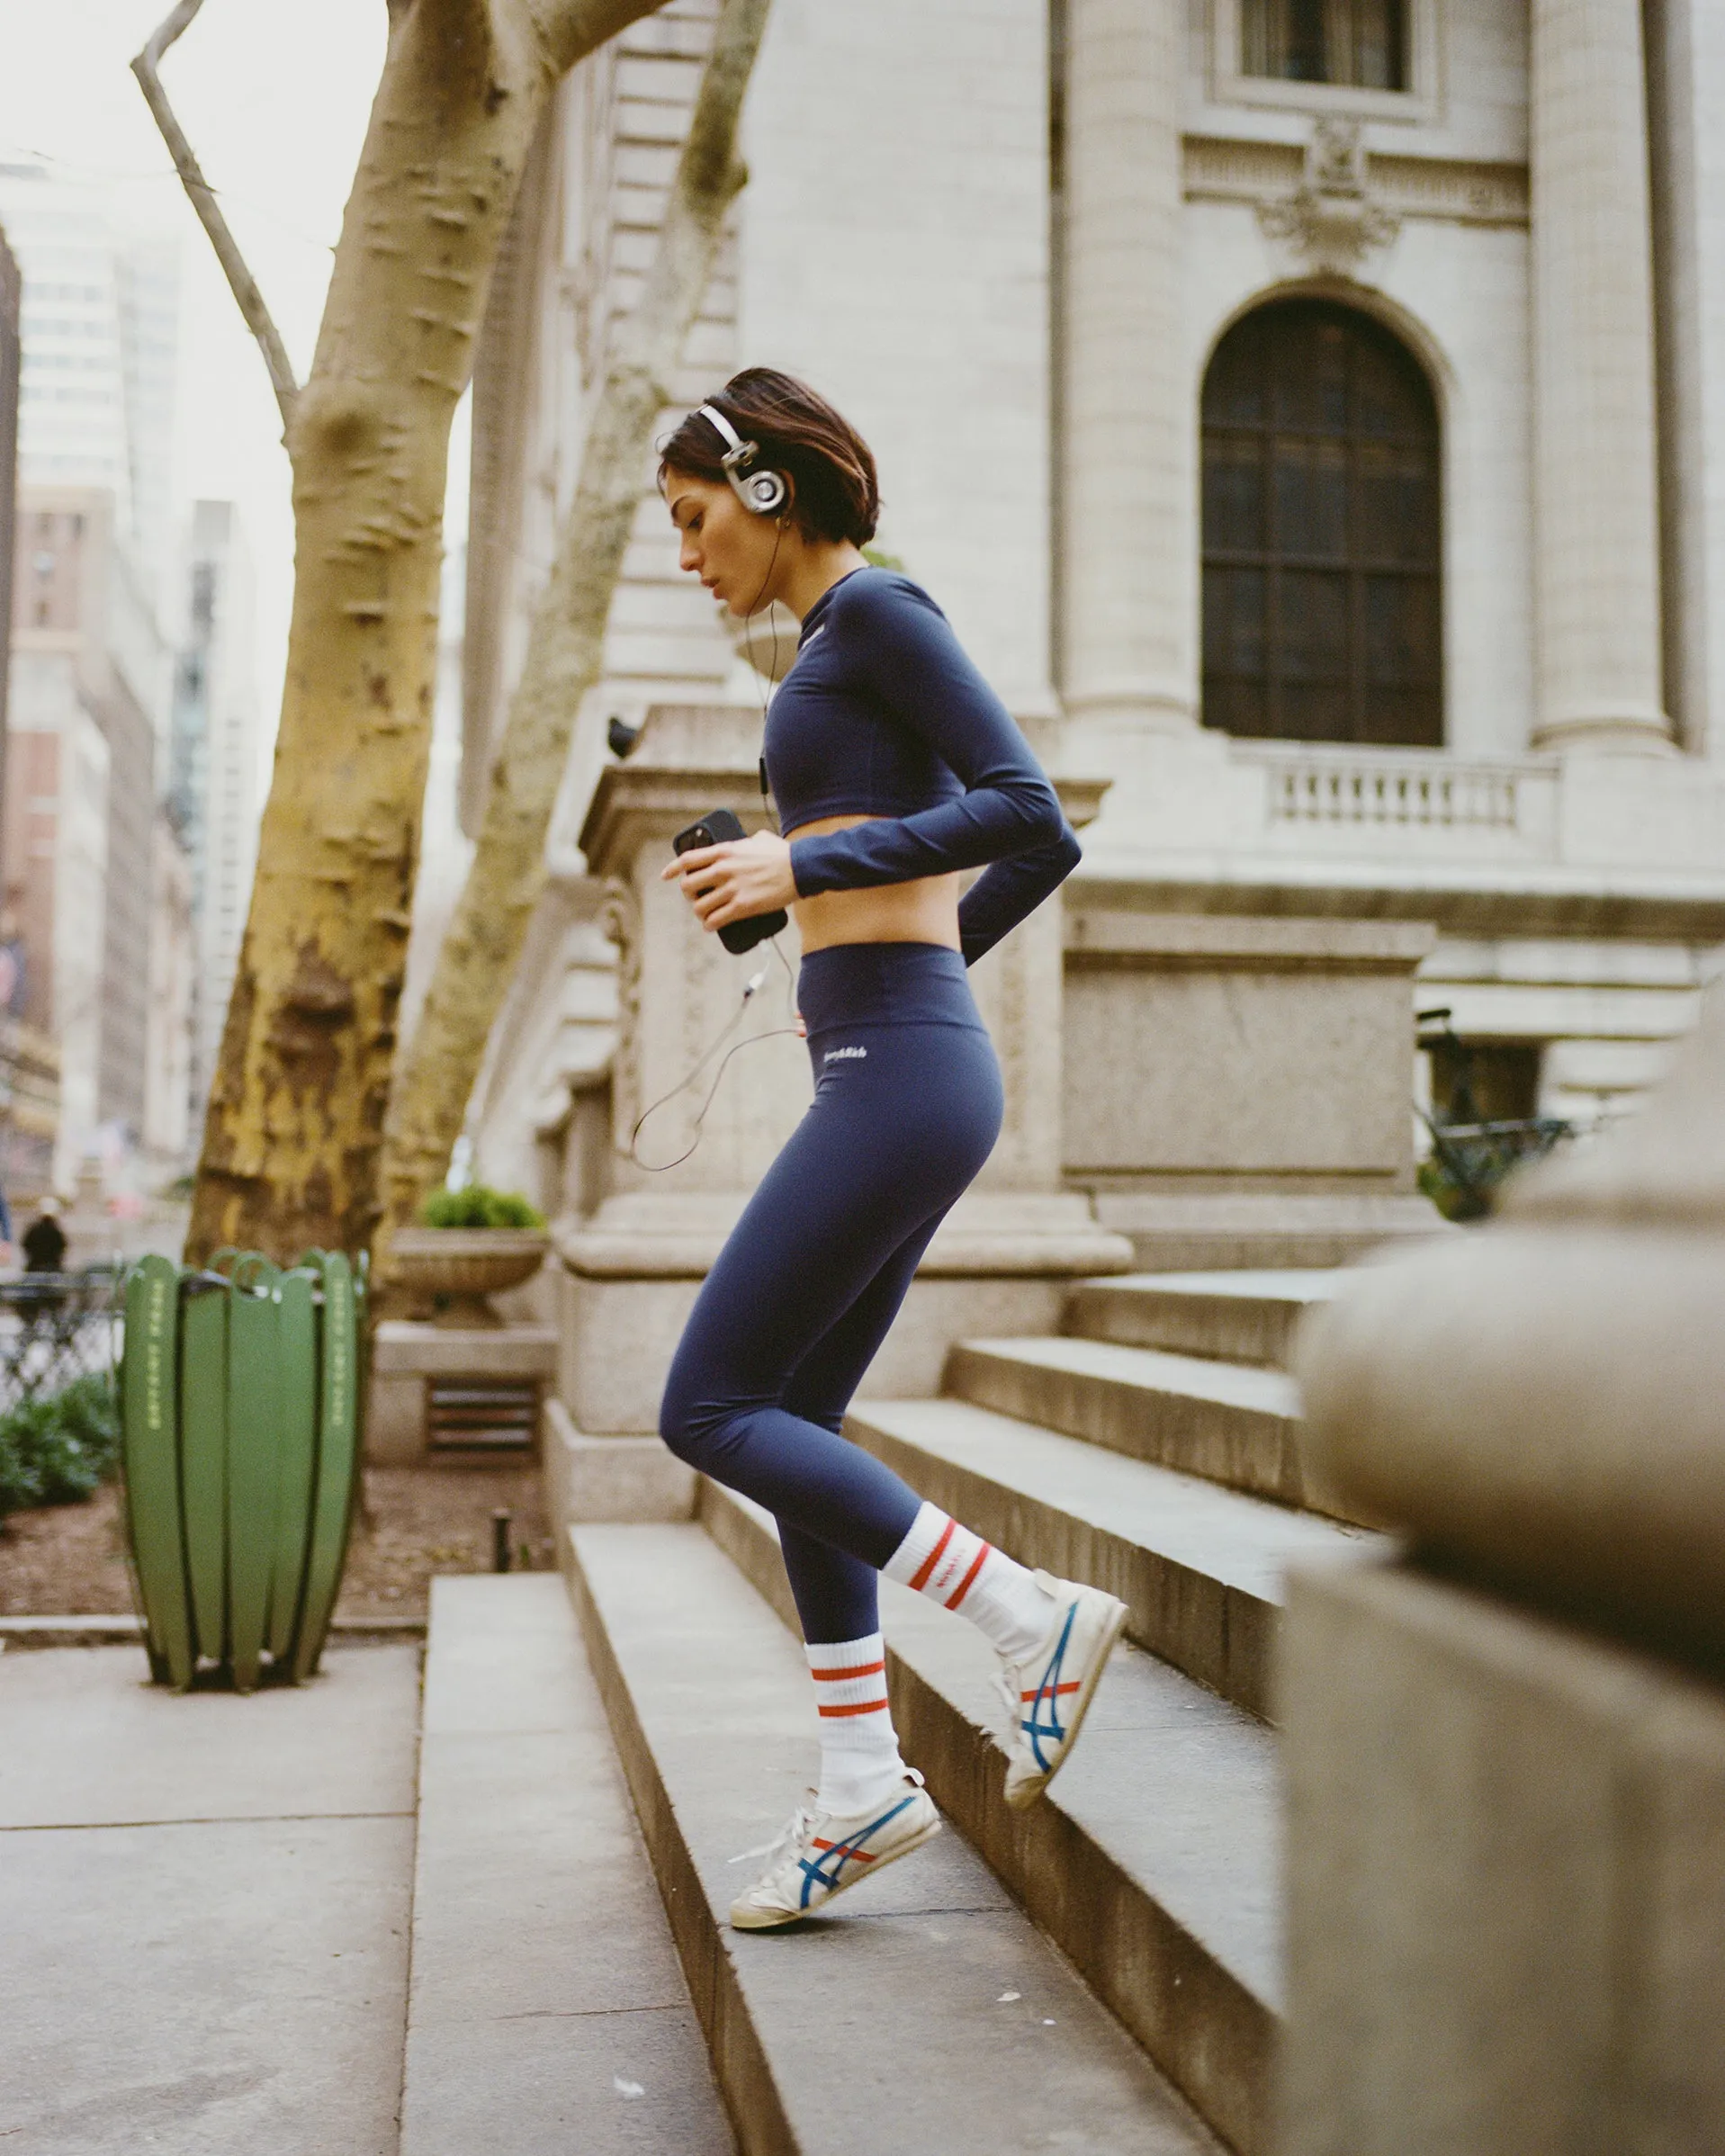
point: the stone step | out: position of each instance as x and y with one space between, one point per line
1152 1861
927 2011
547 2008
1199 1567
1230 1423
1227 1316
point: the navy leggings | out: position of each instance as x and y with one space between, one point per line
907 1106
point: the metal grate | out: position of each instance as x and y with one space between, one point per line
482 1414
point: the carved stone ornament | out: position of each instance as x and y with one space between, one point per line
1333 221
619 921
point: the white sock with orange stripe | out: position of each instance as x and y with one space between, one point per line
859 1759
951 1565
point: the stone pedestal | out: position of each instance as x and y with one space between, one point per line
1238 1088
633 1266
407 1358
1506 1882
1507 1752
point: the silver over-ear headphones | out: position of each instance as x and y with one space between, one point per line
765 493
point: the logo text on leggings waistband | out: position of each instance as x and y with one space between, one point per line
842 1055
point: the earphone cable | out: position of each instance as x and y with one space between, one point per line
660 1167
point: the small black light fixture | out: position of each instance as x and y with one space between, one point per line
620 736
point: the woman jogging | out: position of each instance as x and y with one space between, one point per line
894 767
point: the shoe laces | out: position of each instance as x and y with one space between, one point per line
1009 1682
799 1823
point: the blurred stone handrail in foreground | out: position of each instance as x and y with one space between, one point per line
1506 1747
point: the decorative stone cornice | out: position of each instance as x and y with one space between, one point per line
1451 190
1335 218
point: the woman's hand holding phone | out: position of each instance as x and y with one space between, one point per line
736 879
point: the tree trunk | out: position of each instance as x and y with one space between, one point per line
566 643
295 1119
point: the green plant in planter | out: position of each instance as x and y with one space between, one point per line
478 1206
57 1450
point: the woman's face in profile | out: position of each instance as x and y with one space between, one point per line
730 549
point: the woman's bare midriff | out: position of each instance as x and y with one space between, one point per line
923 912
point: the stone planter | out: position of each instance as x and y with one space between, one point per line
446 1274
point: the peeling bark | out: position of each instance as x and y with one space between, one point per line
566 643
294 1127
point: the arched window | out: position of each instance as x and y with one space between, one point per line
1323 606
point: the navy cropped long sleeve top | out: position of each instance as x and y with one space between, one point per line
884 716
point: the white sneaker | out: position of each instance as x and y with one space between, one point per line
1048 1694
822 1853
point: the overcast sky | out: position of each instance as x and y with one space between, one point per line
274 101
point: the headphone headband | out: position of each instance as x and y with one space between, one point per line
723 428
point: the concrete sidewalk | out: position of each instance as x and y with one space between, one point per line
205 1907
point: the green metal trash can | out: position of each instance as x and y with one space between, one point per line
242 1402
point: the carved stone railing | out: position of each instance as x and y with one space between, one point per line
1385 787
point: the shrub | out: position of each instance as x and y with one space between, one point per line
478 1206
57 1450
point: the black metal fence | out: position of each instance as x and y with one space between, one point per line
54 1327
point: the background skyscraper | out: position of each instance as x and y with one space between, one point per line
91 669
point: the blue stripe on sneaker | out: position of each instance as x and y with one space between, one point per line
841 1853
1035 1728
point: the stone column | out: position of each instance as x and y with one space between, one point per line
1128 533
1596 569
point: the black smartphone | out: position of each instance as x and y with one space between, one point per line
737 935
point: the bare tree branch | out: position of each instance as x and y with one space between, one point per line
570 29
243 284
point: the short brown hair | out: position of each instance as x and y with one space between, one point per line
834 494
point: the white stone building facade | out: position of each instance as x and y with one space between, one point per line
1012 242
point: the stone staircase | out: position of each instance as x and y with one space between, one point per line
1100 1972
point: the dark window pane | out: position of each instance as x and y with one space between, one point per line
1234 494
1401 631
1311 520
1312 625
1378 61
1237 708
1356 42
1313 711
1397 518
1309 376
1233 621
1391 393
1303 42
1400 718
1233 386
